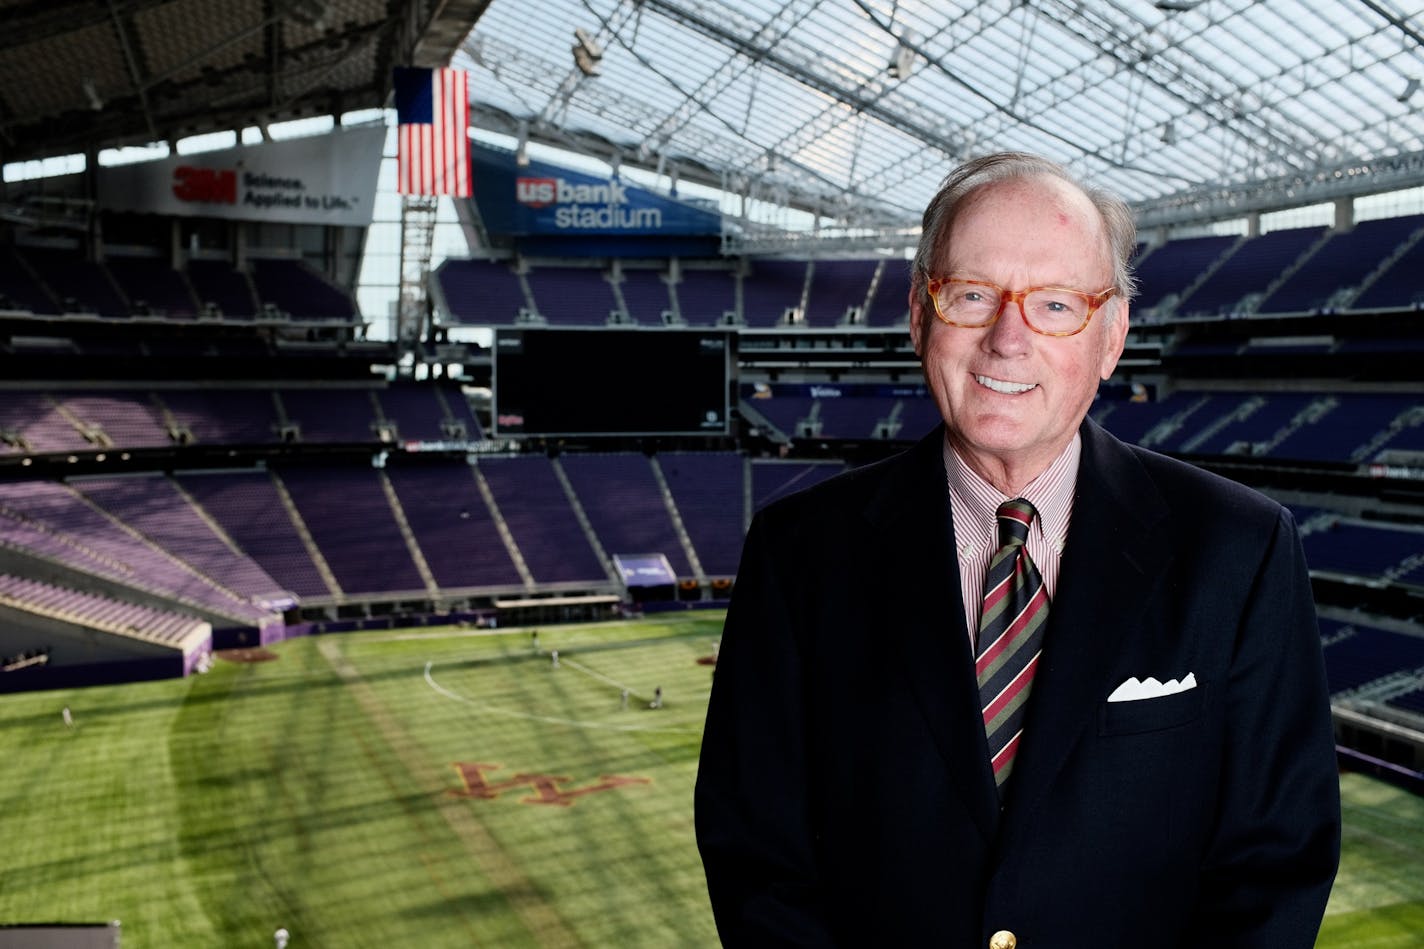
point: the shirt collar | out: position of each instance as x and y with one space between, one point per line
1051 495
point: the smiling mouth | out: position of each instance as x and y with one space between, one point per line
1007 388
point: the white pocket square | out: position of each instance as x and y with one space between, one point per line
1135 691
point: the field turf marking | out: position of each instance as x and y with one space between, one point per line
549 719
503 872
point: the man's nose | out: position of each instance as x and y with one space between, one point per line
1009 335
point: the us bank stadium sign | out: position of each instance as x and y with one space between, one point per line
541 199
592 207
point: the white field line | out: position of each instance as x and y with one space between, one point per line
548 719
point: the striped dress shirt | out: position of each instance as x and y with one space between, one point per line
975 503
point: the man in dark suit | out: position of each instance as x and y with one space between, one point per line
1095 715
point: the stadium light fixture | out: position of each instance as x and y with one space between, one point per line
588 52
91 92
1177 6
309 13
902 61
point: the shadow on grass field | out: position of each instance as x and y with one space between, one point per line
438 788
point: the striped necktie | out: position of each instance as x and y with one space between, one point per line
1010 637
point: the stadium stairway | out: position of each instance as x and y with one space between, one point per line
678 526
308 541
584 523
501 526
403 525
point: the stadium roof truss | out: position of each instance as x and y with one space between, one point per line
1193 110
82 74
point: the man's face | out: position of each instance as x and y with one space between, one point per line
1011 398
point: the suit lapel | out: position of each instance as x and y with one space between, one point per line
914 551
1110 568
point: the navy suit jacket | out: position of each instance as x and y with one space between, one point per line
844 795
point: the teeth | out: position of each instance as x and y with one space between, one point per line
1008 388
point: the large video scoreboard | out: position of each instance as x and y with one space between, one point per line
599 381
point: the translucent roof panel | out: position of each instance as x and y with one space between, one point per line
859 107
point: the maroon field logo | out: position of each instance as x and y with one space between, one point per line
545 786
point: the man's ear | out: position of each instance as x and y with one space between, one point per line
1114 341
917 320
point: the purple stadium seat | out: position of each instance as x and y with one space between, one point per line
625 506
707 487
704 297
481 292
347 513
543 523
453 526
247 506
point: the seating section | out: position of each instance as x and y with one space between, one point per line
228 291
295 289
116 419
773 480
542 521
1398 285
487 292
1348 426
623 502
1250 270
80 285
52 280
844 416
1344 260
416 412
224 416
572 296
148 623
20 289
1287 271
249 509
1357 654
856 418
153 506
52 522
331 415
707 487
645 294
890 305
1363 550
482 292
453 526
1172 268
94 421
32 423
772 288
786 413
1338 427
705 296
153 287
836 286
346 511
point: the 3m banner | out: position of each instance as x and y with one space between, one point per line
321 179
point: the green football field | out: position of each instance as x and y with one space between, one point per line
437 787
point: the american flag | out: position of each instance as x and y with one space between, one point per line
433 114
